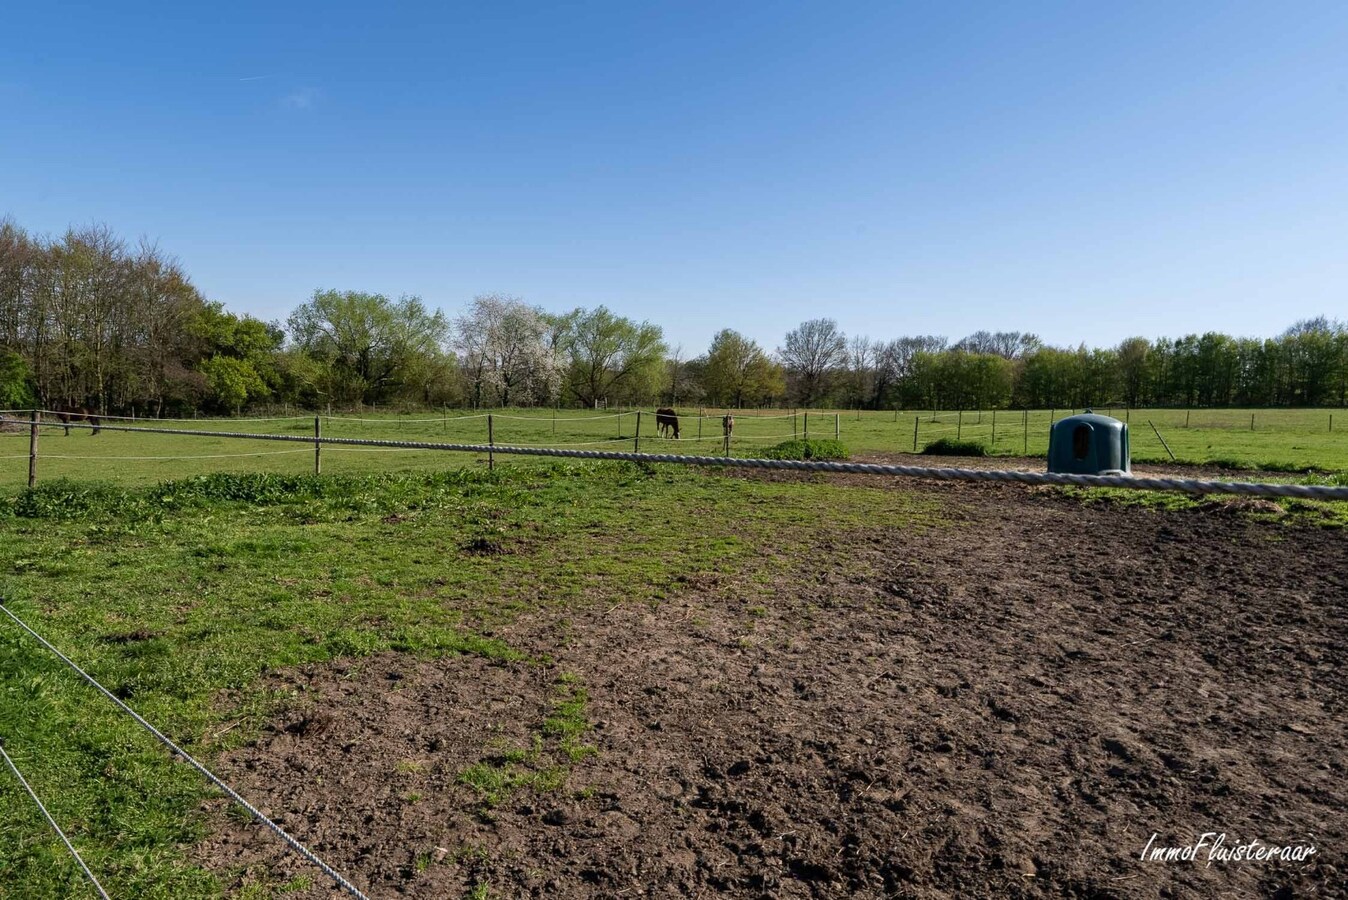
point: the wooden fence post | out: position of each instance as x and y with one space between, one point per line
837 427
959 426
491 442
32 447
318 445
1252 421
916 419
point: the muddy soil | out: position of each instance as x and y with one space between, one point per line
1008 706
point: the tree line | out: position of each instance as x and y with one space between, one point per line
91 320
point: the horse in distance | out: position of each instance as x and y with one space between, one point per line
68 414
667 422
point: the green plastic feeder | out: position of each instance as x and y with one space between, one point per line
1089 444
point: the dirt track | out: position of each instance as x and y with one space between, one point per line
1010 706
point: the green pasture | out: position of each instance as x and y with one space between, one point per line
1280 440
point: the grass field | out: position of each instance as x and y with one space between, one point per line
179 597
1281 440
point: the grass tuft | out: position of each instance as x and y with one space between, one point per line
952 447
811 449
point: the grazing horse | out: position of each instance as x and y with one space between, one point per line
78 414
667 422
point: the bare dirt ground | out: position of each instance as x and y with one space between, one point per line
1010 706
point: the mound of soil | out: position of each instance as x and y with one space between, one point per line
1009 707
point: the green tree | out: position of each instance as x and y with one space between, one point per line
611 357
738 373
16 382
233 381
370 347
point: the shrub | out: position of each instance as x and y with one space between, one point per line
65 498
812 449
950 447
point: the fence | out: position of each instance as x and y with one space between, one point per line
318 441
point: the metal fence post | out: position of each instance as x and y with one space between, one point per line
636 442
994 428
32 448
1162 440
1025 423
959 426
916 419
491 442
837 427
807 424
318 445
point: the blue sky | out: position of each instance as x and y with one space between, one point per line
1086 171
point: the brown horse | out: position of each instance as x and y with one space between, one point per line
667 422
78 414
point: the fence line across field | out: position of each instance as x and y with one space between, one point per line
1186 485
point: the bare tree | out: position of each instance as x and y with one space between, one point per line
861 356
1006 344
812 353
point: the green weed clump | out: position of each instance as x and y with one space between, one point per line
951 447
71 500
811 449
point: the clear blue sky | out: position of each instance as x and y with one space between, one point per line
1085 171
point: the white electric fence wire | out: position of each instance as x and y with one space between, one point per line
143 458
191 761
52 822
203 420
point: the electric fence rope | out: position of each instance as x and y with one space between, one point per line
191 761
54 412
1185 485
144 458
564 419
52 822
